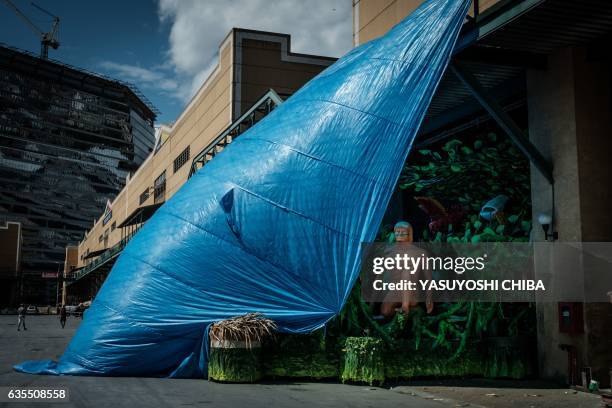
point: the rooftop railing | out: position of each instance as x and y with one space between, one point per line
97 262
258 111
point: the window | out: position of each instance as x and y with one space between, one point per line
107 216
108 213
101 238
144 196
159 188
181 159
114 226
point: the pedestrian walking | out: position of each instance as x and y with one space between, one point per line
21 315
62 316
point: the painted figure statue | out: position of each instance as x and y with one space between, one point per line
404 238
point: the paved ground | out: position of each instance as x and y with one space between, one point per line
45 339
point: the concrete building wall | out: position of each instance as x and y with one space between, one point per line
593 92
263 61
250 63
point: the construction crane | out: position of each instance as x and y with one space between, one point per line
49 39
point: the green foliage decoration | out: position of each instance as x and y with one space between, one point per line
236 365
312 355
469 174
363 360
404 361
509 357
465 175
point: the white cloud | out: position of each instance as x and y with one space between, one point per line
322 27
197 28
150 78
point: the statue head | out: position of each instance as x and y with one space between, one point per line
403 232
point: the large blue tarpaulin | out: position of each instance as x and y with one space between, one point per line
274 224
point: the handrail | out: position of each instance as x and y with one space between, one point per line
268 101
99 261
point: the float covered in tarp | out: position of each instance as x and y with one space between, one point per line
274 224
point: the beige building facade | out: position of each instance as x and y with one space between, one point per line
373 18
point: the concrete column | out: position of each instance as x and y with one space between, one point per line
569 122
552 129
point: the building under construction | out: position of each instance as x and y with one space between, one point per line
68 140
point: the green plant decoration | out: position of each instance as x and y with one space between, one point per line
235 349
508 357
404 361
236 365
463 176
314 356
469 175
363 360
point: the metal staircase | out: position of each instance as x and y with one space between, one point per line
258 111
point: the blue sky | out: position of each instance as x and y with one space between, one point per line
168 47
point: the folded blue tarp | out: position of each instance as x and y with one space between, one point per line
274 224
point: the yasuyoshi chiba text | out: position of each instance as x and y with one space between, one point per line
459 285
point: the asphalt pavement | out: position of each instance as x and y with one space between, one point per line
46 339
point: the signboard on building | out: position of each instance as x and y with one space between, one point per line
49 275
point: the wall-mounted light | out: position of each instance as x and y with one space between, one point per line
545 221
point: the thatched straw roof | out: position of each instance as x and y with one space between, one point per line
251 327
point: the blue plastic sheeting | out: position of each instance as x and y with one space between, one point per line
274 223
